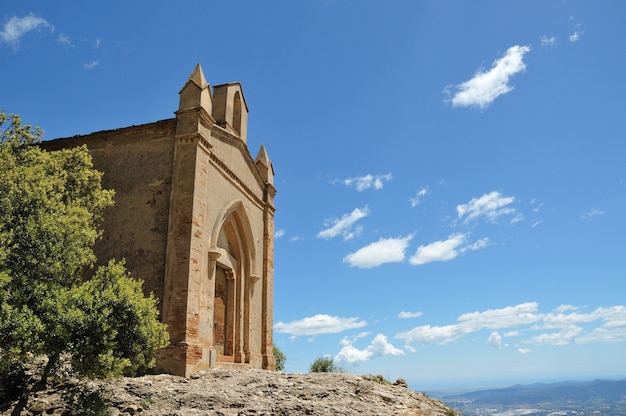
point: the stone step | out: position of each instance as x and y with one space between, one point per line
232 366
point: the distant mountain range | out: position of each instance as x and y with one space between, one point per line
538 393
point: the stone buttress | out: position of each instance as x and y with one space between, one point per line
218 288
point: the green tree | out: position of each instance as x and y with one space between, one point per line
279 357
51 204
325 364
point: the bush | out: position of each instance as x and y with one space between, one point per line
53 306
13 382
85 400
325 364
280 358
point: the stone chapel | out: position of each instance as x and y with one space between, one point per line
194 219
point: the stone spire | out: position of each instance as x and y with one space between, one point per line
197 76
264 164
196 92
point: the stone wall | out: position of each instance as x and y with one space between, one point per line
137 164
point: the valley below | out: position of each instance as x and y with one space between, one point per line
580 398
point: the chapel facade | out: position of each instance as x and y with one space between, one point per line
194 219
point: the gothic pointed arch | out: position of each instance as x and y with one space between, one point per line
234 210
237 113
233 251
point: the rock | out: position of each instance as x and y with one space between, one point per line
255 393
385 396
131 409
401 383
39 406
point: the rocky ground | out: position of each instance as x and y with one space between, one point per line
224 392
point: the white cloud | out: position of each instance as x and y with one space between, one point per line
611 329
575 37
279 233
407 315
385 250
427 334
523 351
361 183
445 250
418 198
17 27
492 206
98 43
439 250
478 245
379 347
65 40
91 65
560 328
318 324
343 225
353 338
565 308
607 315
548 41
508 317
564 337
351 354
612 314
495 340
604 334
517 218
562 320
486 86
592 213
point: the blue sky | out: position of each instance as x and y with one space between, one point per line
451 175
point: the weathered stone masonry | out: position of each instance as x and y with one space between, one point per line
194 218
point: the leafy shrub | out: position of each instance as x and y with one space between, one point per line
381 380
280 358
51 207
325 364
85 400
13 382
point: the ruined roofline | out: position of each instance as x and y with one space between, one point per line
103 133
218 132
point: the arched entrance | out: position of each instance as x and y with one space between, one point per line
233 254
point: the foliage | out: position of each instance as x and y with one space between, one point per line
51 204
280 358
119 329
325 364
381 380
85 400
13 381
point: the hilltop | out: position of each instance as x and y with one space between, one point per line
607 397
250 392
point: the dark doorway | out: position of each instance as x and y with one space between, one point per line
220 308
